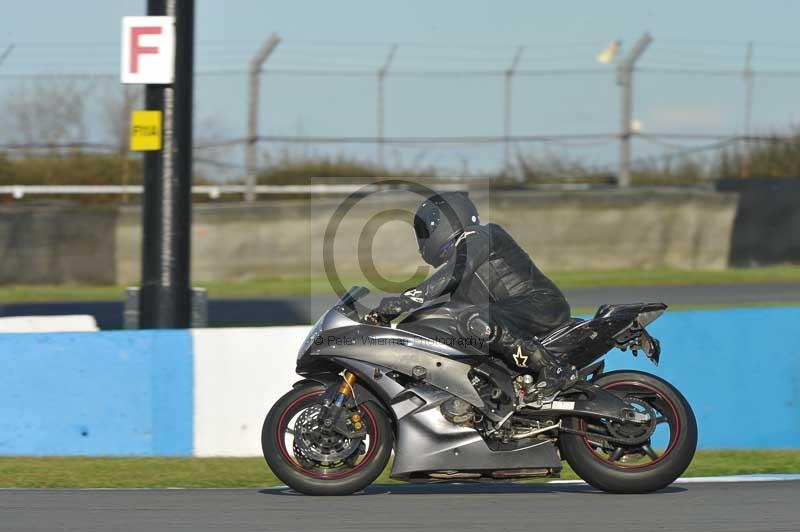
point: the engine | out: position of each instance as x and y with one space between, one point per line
458 411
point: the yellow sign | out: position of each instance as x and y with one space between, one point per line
145 130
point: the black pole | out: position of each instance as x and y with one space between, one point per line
167 201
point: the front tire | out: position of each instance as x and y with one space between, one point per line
311 477
634 468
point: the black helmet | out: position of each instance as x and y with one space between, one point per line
439 221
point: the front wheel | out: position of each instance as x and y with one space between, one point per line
316 461
628 457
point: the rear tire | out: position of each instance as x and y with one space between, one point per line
615 476
345 481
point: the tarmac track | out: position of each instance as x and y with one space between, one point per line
729 507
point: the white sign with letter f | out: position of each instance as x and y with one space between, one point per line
148 50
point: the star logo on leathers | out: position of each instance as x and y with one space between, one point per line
520 358
415 295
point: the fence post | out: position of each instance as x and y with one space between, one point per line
381 75
252 114
6 53
747 74
625 81
507 121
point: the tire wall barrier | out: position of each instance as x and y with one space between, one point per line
206 392
766 229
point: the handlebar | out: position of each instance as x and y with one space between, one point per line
373 318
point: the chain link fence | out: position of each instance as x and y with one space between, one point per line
700 111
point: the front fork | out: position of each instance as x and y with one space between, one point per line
346 389
352 425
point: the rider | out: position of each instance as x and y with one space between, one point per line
497 294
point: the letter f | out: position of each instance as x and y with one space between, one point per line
136 49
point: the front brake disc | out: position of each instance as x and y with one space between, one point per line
319 443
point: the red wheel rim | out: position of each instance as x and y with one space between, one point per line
372 431
673 419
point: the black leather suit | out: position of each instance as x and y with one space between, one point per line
498 297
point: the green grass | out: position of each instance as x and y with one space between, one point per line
82 472
302 285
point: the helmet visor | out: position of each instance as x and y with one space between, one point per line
421 228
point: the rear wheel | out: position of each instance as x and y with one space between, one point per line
317 461
629 457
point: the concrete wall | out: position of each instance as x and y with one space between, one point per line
672 228
205 392
639 228
229 241
57 244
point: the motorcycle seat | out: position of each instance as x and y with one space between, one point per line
562 329
628 308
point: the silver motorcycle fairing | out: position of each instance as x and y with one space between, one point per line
332 381
399 351
426 441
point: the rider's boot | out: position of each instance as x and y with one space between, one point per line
522 352
555 374
554 379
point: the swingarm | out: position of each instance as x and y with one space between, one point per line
598 403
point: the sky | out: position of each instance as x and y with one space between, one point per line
580 97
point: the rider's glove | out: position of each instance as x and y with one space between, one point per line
393 306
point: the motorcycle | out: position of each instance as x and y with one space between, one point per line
451 412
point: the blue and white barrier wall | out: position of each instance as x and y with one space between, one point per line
205 392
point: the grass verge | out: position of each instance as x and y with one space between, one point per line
84 472
302 285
